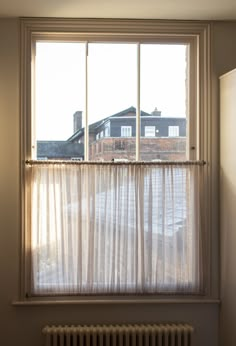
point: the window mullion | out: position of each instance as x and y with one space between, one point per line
86 128
138 106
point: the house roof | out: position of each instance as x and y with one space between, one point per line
56 148
126 112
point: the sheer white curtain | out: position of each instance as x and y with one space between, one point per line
115 228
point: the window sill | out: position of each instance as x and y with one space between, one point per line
43 302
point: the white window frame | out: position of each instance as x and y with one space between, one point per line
173 131
150 131
199 133
126 131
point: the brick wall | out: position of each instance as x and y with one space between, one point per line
169 148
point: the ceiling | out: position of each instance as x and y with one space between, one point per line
161 9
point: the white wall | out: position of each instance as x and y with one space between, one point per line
22 325
224 60
228 203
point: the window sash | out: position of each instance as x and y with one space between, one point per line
148 241
191 80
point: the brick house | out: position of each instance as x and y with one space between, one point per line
112 138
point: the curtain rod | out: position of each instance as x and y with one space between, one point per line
106 163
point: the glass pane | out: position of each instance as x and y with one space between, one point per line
59 100
112 80
163 74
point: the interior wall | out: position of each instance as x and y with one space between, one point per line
224 51
22 325
228 200
9 174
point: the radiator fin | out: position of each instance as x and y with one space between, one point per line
119 335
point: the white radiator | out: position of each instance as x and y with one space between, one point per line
119 335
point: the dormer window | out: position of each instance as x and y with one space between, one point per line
173 131
126 131
149 131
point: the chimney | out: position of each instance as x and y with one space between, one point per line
156 112
77 120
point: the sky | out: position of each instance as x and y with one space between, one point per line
112 82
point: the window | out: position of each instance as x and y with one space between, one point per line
107 130
150 131
173 131
76 158
119 145
126 131
119 226
106 71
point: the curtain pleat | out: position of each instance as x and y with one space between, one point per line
116 229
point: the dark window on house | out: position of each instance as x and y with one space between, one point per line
119 144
